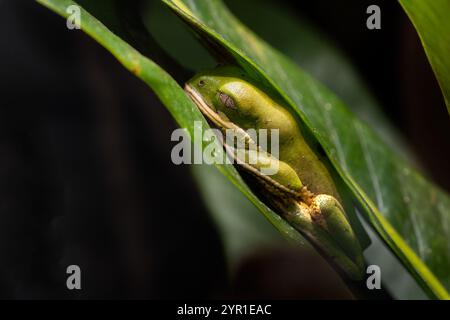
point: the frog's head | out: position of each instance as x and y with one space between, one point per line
228 98
225 97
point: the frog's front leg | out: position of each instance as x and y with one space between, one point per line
277 176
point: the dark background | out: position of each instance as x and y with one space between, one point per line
86 176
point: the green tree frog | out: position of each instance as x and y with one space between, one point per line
302 191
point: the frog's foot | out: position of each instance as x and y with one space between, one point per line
320 223
328 213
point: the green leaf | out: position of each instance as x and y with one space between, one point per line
430 18
184 111
409 213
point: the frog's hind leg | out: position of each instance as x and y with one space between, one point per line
320 227
332 217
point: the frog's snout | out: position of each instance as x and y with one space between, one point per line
198 99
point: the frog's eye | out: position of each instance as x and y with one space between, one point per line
227 101
201 83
